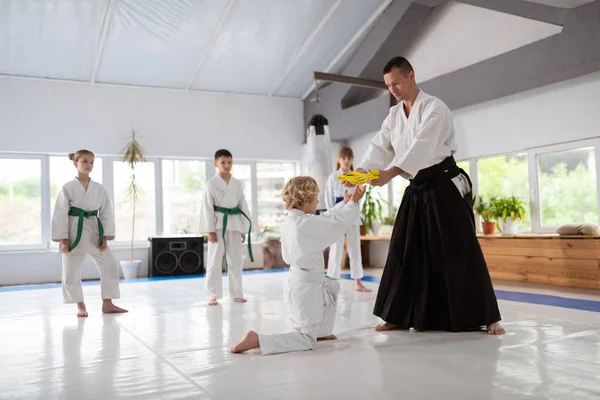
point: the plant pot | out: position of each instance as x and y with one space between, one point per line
489 228
376 227
509 227
130 268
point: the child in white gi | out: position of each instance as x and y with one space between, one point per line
334 193
83 222
225 217
311 296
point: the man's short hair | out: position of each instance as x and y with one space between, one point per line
398 62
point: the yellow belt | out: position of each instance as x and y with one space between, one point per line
358 178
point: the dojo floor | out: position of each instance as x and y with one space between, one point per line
172 346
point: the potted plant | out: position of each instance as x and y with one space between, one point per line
486 210
132 154
372 212
510 211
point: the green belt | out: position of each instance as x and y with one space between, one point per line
78 212
226 213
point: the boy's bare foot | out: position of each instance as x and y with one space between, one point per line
81 310
330 337
213 302
385 327
239 300
249 342
358 285
108 307
495 329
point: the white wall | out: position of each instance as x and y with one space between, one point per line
45 266
58 117
551 114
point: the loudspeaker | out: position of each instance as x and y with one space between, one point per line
171 256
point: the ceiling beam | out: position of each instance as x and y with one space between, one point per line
524 9
100 49
211 43
350 80
309 42
358 35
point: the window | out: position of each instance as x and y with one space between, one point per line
243 173
399 185
381 193
145 206
567 187
272 177
20 201
505 176
183 184
464 165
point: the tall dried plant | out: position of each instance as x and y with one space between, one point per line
133 154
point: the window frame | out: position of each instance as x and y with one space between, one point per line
46 218
534 189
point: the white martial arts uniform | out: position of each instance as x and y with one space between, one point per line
219 193
423 139
334 191
73 194
311 296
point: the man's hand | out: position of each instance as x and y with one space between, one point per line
103 245
385 175
348 184
212 237
243 237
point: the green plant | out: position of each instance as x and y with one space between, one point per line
133 154
485 209
264 231
509 207
372 208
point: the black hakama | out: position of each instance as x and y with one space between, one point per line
435 277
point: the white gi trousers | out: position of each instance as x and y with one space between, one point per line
214 269
105 261
334 266
312 300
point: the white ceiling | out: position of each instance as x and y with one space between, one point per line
268 47
457 35
562 3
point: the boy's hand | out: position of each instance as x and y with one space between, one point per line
348 195
243 237
64 246
358 194
104 244
212 237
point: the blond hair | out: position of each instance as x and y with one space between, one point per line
299 191
77 155
345 152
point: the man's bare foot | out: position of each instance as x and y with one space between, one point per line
330 337
495 329
385 327
239 300
213 302
108 307
81 310
249 342
358 285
